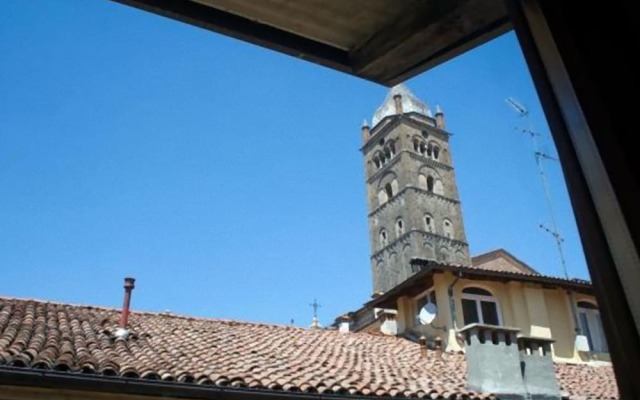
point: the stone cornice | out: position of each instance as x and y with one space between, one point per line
401 193
396 158
428 161
392 121
434 237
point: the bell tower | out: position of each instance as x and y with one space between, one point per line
412 195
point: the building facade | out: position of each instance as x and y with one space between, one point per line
420 255
497 290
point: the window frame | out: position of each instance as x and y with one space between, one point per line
590 333
478 299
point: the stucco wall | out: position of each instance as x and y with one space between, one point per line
535 310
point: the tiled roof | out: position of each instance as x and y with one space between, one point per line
579 381
60 337
492 271
502 261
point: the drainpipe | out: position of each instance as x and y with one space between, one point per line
574 312
452 305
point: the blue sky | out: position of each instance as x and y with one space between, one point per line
227 178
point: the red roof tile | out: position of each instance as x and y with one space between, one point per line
51 336
501 260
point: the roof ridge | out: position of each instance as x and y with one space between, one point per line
164 314
144 312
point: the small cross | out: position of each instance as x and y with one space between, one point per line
315 306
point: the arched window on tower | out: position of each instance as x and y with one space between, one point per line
423 148
382 197
436 152
399 227
429 223
383 238
430 183
388 189
377 162
422 181
387 152
392 148
429 150
438 188
447 228
416 145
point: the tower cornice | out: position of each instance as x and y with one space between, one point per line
392 121
386 167
426 160
401 194
428 236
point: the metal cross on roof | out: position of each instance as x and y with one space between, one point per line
315 306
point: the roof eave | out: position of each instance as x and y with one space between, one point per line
502 276
122 387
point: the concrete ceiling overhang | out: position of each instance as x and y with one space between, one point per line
379 40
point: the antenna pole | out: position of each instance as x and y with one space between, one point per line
553 230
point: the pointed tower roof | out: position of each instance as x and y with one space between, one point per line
410 103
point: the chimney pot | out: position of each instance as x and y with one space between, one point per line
437 342
344 323
423 346
129 284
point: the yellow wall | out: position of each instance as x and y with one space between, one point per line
535 310
562 324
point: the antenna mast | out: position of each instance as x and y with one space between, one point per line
539 155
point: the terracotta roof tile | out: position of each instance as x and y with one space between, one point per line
51 336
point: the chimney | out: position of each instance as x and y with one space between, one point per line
423 346
493 361
437 344
344 322
537 367
128 287
512 367
397 98
366 131
389 323
439 118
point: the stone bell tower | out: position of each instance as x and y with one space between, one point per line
412 195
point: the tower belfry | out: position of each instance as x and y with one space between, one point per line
412 195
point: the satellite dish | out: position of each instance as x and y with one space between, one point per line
427 313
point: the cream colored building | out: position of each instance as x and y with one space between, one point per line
498 289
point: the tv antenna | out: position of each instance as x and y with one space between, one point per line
540 156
